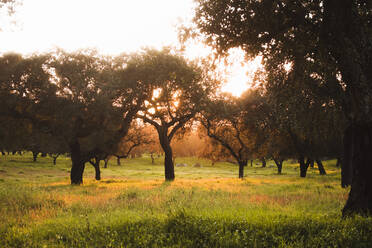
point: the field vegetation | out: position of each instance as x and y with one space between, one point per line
63 113
205 206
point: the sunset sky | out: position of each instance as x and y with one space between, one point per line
111 26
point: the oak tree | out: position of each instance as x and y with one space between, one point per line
177 91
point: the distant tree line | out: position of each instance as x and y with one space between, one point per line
93 107
84 104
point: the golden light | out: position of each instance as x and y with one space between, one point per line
111 27
239 72
288 66
156 93
151 110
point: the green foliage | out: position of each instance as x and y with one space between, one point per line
184 230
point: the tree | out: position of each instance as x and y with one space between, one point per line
177 91
260 116
333 39
223 121
152 146
347 34
138 136
101 104
212 149
23 85
82 98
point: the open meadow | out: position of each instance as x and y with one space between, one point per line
209 206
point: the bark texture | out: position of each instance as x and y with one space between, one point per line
360 196
168 153
78 164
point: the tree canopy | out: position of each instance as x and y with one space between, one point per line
326 44
81 98
177 90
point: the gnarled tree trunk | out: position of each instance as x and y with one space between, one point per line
168 154
78 164
360 156
279 165
304 165
320 167
348 38
97 169
168 164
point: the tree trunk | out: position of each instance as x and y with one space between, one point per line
34 155
78 164
360 196
279 165
303 165
98 172
338 162
241 168
97 169
55 160
168 165
263 162
118 160
346 166
320 167
106 162
251 162
152 158
168 154
312 164
349 43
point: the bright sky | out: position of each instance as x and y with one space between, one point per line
111 26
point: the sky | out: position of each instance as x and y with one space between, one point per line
110 26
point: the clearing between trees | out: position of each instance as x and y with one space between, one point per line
206 206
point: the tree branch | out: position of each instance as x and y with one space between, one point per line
222 142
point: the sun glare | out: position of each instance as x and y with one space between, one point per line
112 27
239 72
156 93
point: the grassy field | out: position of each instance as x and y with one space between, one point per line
132 206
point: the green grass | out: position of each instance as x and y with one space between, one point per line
132 206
